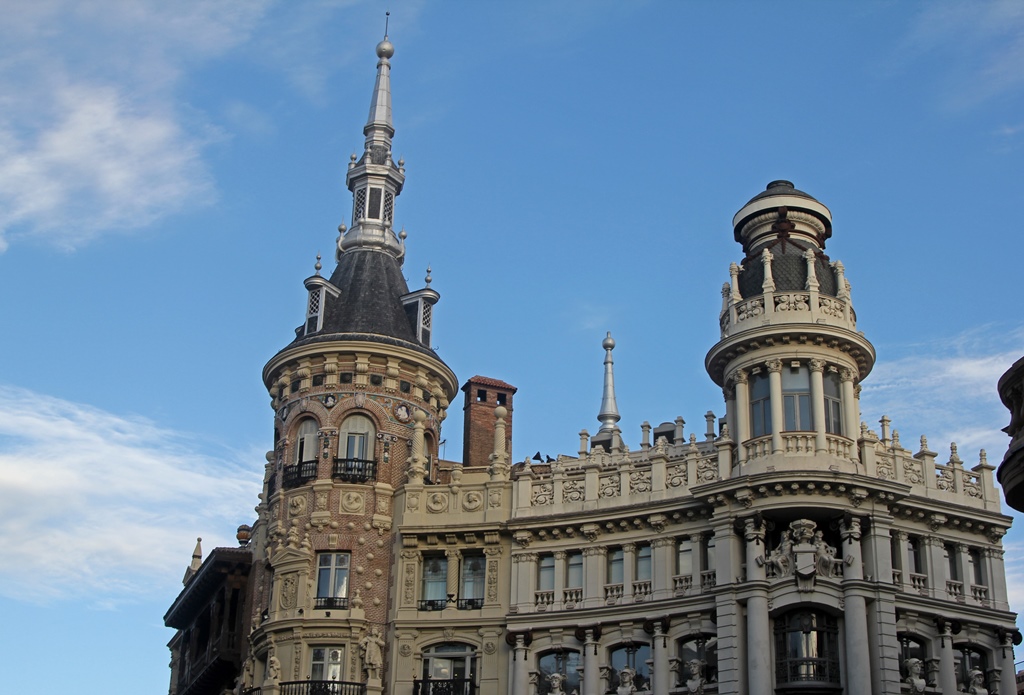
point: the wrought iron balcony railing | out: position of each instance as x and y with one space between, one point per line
469 604
354 470
455 686
322 688
298 474
433 604
341 603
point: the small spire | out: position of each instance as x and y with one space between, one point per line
197 562
318 265
428 278
609 414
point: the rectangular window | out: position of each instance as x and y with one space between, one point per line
332 580
977 568
951 561
435 578
360 205
760 406
684 558
916 555
546 573
833 404
615 560
472 580
708 553
796 399
355 445
643 563
327 664
574 570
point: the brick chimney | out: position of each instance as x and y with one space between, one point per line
483 395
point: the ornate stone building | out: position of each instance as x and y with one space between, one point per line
786 548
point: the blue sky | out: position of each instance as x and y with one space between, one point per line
169 171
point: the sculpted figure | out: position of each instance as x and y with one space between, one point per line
626 686
695 679
371 644
977 685
781 557
915 675
555 681
273 670
826 555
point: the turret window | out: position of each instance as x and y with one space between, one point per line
833 405
389 206
375 199
332 580
327 663
314 310
760 406
796 399
360 208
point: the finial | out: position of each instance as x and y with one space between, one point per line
385 49
428 278
403 234
318 266
609 414
342 228
387 18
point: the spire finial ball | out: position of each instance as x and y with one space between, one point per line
608 343
385 49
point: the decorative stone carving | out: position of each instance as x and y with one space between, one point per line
321 502
676 474
802 551
626 686
494 499
297 505
831 307
409 587
412 502
555 682
610 486
912 472
707 470
472 501
437 502
273 671
749 309
352 502
792 302
639 481
573 491
405 650
370 646
289 591
542 494
490 648
492 580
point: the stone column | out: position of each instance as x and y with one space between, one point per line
778 416
593 575
760 677
996 577
591 664
938 572
628 571
662 675
526 580
663 569
1008 671
903 539
858 653
947 674
817 368
559 585
452 579
520 665
697 559
742 411
851 418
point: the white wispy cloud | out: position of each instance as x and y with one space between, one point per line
982 45
103 506
94 137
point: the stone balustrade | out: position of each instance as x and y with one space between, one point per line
785 307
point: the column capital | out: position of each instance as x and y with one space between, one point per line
773 366
816 365
850 529
847 374
739 376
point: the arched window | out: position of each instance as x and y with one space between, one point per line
806 650
634 657
913 657
448 669
559 666
699 657
356 440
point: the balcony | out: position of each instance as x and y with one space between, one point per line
338 602
642 591
354 470
612 594
469 604
955 590
298 474
455 686
682 583
543 599
919 582
572 597
322 688
708 580
804 671
433 604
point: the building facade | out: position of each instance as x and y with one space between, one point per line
785 548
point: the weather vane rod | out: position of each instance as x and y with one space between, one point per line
387 18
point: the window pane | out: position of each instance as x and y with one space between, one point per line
805 412
643 563
615 566
546 573
684 558
574 575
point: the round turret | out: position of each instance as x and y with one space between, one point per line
781 210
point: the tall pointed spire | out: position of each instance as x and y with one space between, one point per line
375 179
197 561
609 414
379 129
